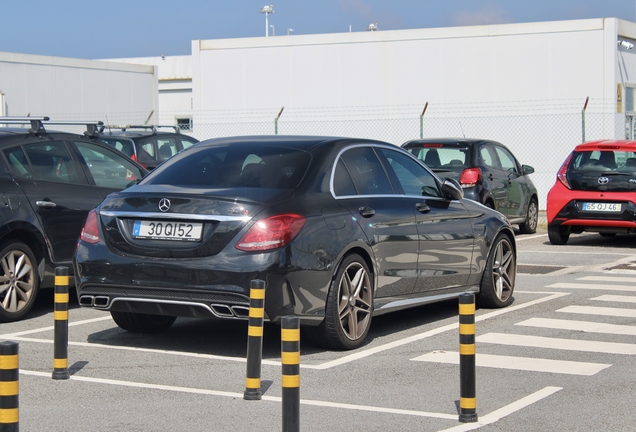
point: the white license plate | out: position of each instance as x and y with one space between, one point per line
164 230
601 207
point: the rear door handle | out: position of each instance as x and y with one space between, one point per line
45 204
422 208
366 211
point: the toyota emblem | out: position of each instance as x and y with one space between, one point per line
164 204
601 181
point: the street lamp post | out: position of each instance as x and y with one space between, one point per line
267 9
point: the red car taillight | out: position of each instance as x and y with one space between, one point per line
470 177
562 175
90 232
271 233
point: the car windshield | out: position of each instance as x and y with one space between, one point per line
604 161
437 157
234 166
616 168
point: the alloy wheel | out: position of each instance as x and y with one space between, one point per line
17 281
354 307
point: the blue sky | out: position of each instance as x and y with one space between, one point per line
93 29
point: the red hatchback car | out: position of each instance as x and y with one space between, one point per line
595 191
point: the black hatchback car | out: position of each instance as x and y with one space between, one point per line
49 182
147 145
487 171
339 229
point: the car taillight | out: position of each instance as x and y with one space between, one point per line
271 233
470 177
90 232
562 175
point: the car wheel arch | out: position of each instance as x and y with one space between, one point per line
364 253
33 239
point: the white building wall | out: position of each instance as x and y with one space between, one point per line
74 89
522 84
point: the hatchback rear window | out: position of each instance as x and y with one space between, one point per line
604 160
447 158
235 166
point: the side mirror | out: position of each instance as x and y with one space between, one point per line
452 189
527 169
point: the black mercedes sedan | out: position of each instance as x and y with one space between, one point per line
340 230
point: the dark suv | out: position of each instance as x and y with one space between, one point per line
49 182
487 171
146 144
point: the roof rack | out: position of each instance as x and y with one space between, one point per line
37 125
153 128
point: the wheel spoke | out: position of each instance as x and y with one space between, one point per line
10 302
24 289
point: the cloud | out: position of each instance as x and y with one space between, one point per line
487 14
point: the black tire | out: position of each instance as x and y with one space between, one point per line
608 234
19 281
349 307
142 323
498 280
558 235
532 219
489 204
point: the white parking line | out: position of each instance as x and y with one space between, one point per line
608 278
595 310
585 326
558 343
530 238
240 396
506 410
518 363
631 288
615 298
50 328
454 326
322 366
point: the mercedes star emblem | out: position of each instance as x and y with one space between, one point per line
164 204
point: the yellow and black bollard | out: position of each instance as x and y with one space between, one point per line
290 359
467 397
9 372
255 340
60 335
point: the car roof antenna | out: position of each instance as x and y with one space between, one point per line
462 128
110 132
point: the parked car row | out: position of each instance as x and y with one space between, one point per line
340 229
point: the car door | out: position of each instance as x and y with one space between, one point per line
444 227
107 170
360 184
496 178
516 186
57 191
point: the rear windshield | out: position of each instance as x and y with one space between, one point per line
604 160
442 158
234 166
125 146
617 168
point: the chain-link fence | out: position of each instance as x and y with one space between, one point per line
540 134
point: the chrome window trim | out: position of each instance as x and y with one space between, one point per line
389 147
157 215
